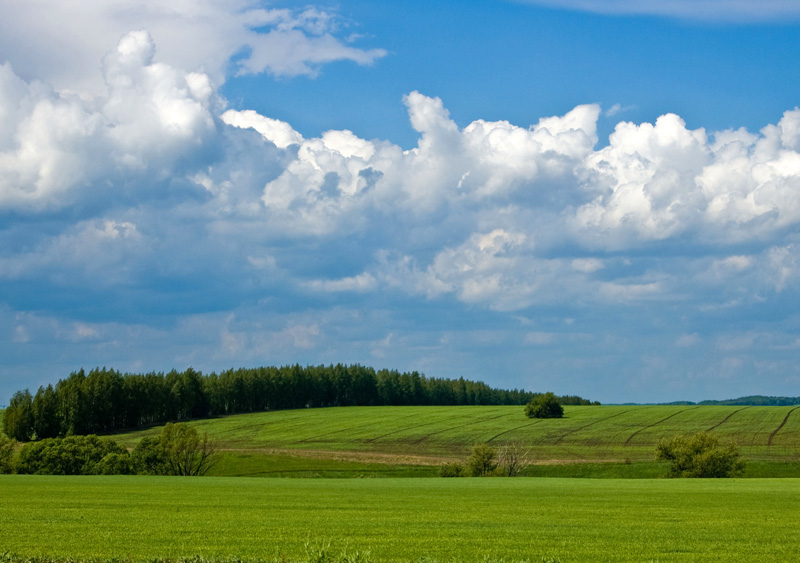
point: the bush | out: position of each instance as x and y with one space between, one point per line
178 450
544 406
699 455
451 469
73 455
481 462
7 447
148 457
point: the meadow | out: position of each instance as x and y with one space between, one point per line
140 518
590 441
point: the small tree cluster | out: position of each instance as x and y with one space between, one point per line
699 455
73 455
178 450
544 406
486 461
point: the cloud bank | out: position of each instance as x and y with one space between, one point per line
152 212
215 37
708 10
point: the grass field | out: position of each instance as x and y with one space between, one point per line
414 440
401 519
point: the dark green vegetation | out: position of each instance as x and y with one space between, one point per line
544 406
755 400
106 400
461 520
596 441
699 455
178 450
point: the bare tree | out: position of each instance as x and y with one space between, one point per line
514 457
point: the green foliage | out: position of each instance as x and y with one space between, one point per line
482 461
178 450
148 457
699 455
73 455
105 400
185 451
451 469
18 417
544 406
7 449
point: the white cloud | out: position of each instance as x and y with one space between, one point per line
360 283
275 131
199 36
715 10
57 149
162 180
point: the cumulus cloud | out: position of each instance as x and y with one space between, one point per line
481 213
57 149
200 36
658 181
153 204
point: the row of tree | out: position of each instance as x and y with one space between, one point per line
105 399
178 450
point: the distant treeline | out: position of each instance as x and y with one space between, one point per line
749 401
106 400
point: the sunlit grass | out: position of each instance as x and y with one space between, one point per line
401 519
590 434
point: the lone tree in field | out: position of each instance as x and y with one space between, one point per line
179 450
544 406
482 461
513 459
699 455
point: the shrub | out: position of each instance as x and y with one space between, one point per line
7 447
481 462
451 469
544 406
699 455
73 455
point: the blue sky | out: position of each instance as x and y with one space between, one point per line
579 196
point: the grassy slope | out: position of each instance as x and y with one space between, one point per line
363 440
401 519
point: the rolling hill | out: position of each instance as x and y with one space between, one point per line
421 438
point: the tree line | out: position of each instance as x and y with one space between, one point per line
105 400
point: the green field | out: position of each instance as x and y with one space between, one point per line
462 520
413 441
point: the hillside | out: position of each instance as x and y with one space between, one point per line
427 436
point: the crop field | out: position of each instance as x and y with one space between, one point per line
362 439
140 518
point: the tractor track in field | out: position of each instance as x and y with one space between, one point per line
724 420
531 423
404 429
311 438
782 424
565 434
460 426
628 441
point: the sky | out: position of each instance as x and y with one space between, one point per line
591 197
